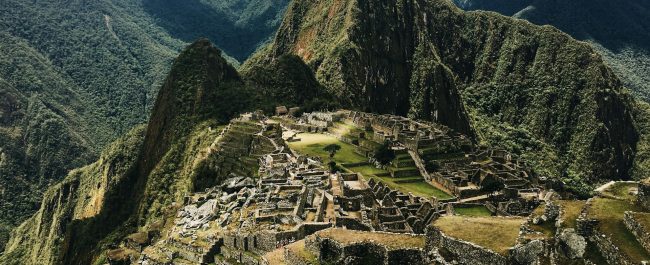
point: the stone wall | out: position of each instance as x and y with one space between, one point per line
366 252
643 195
462 252
352 223
292 258
609 250
640 232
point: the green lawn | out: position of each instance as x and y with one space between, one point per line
475 211
495 233
621 190
368 170
312 144
571 211
610 213
421 188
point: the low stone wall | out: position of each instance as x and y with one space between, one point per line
241 257
643 195
461 251
352 223
610 252
640 232
366 252
322 206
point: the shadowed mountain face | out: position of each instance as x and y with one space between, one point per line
530 89
237 26
619 30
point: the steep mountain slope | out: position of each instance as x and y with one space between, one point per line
237 26
76 216
134 182
44 129
531 89
75 75
619 30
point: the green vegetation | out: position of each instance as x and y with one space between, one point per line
332 149
570 212
368 170
495 233
610 214
384 154
313 144
641 168
621 190
80 195
475 211
239 27
171 162
415 185
620 39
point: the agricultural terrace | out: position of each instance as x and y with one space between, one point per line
610 213
495 233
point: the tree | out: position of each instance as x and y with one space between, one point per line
333 167
384 154
332 149
432 165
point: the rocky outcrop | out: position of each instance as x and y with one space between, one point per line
534 86
572 244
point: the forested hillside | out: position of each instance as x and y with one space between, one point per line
619 30
75 75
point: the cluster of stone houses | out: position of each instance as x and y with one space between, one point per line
453 161
292 196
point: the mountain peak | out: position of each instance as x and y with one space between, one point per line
195 89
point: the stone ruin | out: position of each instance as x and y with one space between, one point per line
270 197
451 160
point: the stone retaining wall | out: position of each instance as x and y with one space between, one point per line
640 232
461 251
331 251
643 195
610 252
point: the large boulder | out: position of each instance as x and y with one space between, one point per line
571 244
527 253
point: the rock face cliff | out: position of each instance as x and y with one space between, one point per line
531 89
